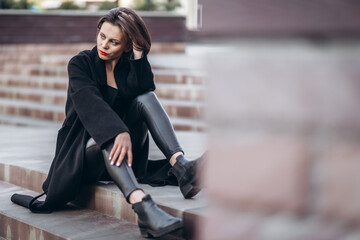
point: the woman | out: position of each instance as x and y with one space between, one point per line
109 110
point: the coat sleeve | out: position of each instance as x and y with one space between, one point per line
98 118
140 78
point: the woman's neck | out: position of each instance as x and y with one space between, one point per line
110 65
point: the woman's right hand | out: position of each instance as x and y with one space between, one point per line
122 147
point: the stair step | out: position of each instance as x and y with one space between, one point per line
175 76
178 76
183 108
70 223
43 82
45 96
175 109
22 164
27 121
190 92
31 92
35 69
31 109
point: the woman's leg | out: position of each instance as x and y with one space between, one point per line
122 176
151 219
147 108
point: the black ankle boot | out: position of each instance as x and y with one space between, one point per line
186 173
154 222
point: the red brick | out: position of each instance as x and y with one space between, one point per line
60 117
266 172
48 115
165 78
10 110
25 112
340 192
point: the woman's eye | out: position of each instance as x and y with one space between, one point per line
114 43
102 36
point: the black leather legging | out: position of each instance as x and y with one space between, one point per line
145 114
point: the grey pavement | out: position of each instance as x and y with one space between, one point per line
34 147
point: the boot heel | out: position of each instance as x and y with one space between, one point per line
144 233
187 190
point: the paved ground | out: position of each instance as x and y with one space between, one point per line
34 147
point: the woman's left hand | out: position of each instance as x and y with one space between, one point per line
121 148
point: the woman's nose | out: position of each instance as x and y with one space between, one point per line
104 44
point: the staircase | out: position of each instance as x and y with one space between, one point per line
33 83
99 212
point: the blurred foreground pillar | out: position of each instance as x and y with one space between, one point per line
284 141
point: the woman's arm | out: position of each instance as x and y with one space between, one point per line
98 118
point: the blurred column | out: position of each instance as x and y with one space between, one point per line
284 125
283 131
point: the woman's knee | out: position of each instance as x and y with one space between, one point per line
146 97
94 164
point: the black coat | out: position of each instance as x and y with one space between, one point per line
89 114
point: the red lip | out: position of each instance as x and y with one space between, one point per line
103 53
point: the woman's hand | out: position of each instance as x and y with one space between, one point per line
122 147
137 52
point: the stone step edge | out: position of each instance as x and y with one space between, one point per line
28 121
58 96
179 124
15 226
32 180
48 106
174 108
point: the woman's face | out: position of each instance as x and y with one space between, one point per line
111 42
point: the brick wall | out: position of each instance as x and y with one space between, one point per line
78 27
284 137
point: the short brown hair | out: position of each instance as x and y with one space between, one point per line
131 24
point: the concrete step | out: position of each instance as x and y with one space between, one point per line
175 76
71 223
44 96
181 110
27 121
164 79
178 76
24 165
36 91
186 92
32 109
33 69
42 82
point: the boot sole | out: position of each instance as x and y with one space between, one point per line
147 233
190 190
